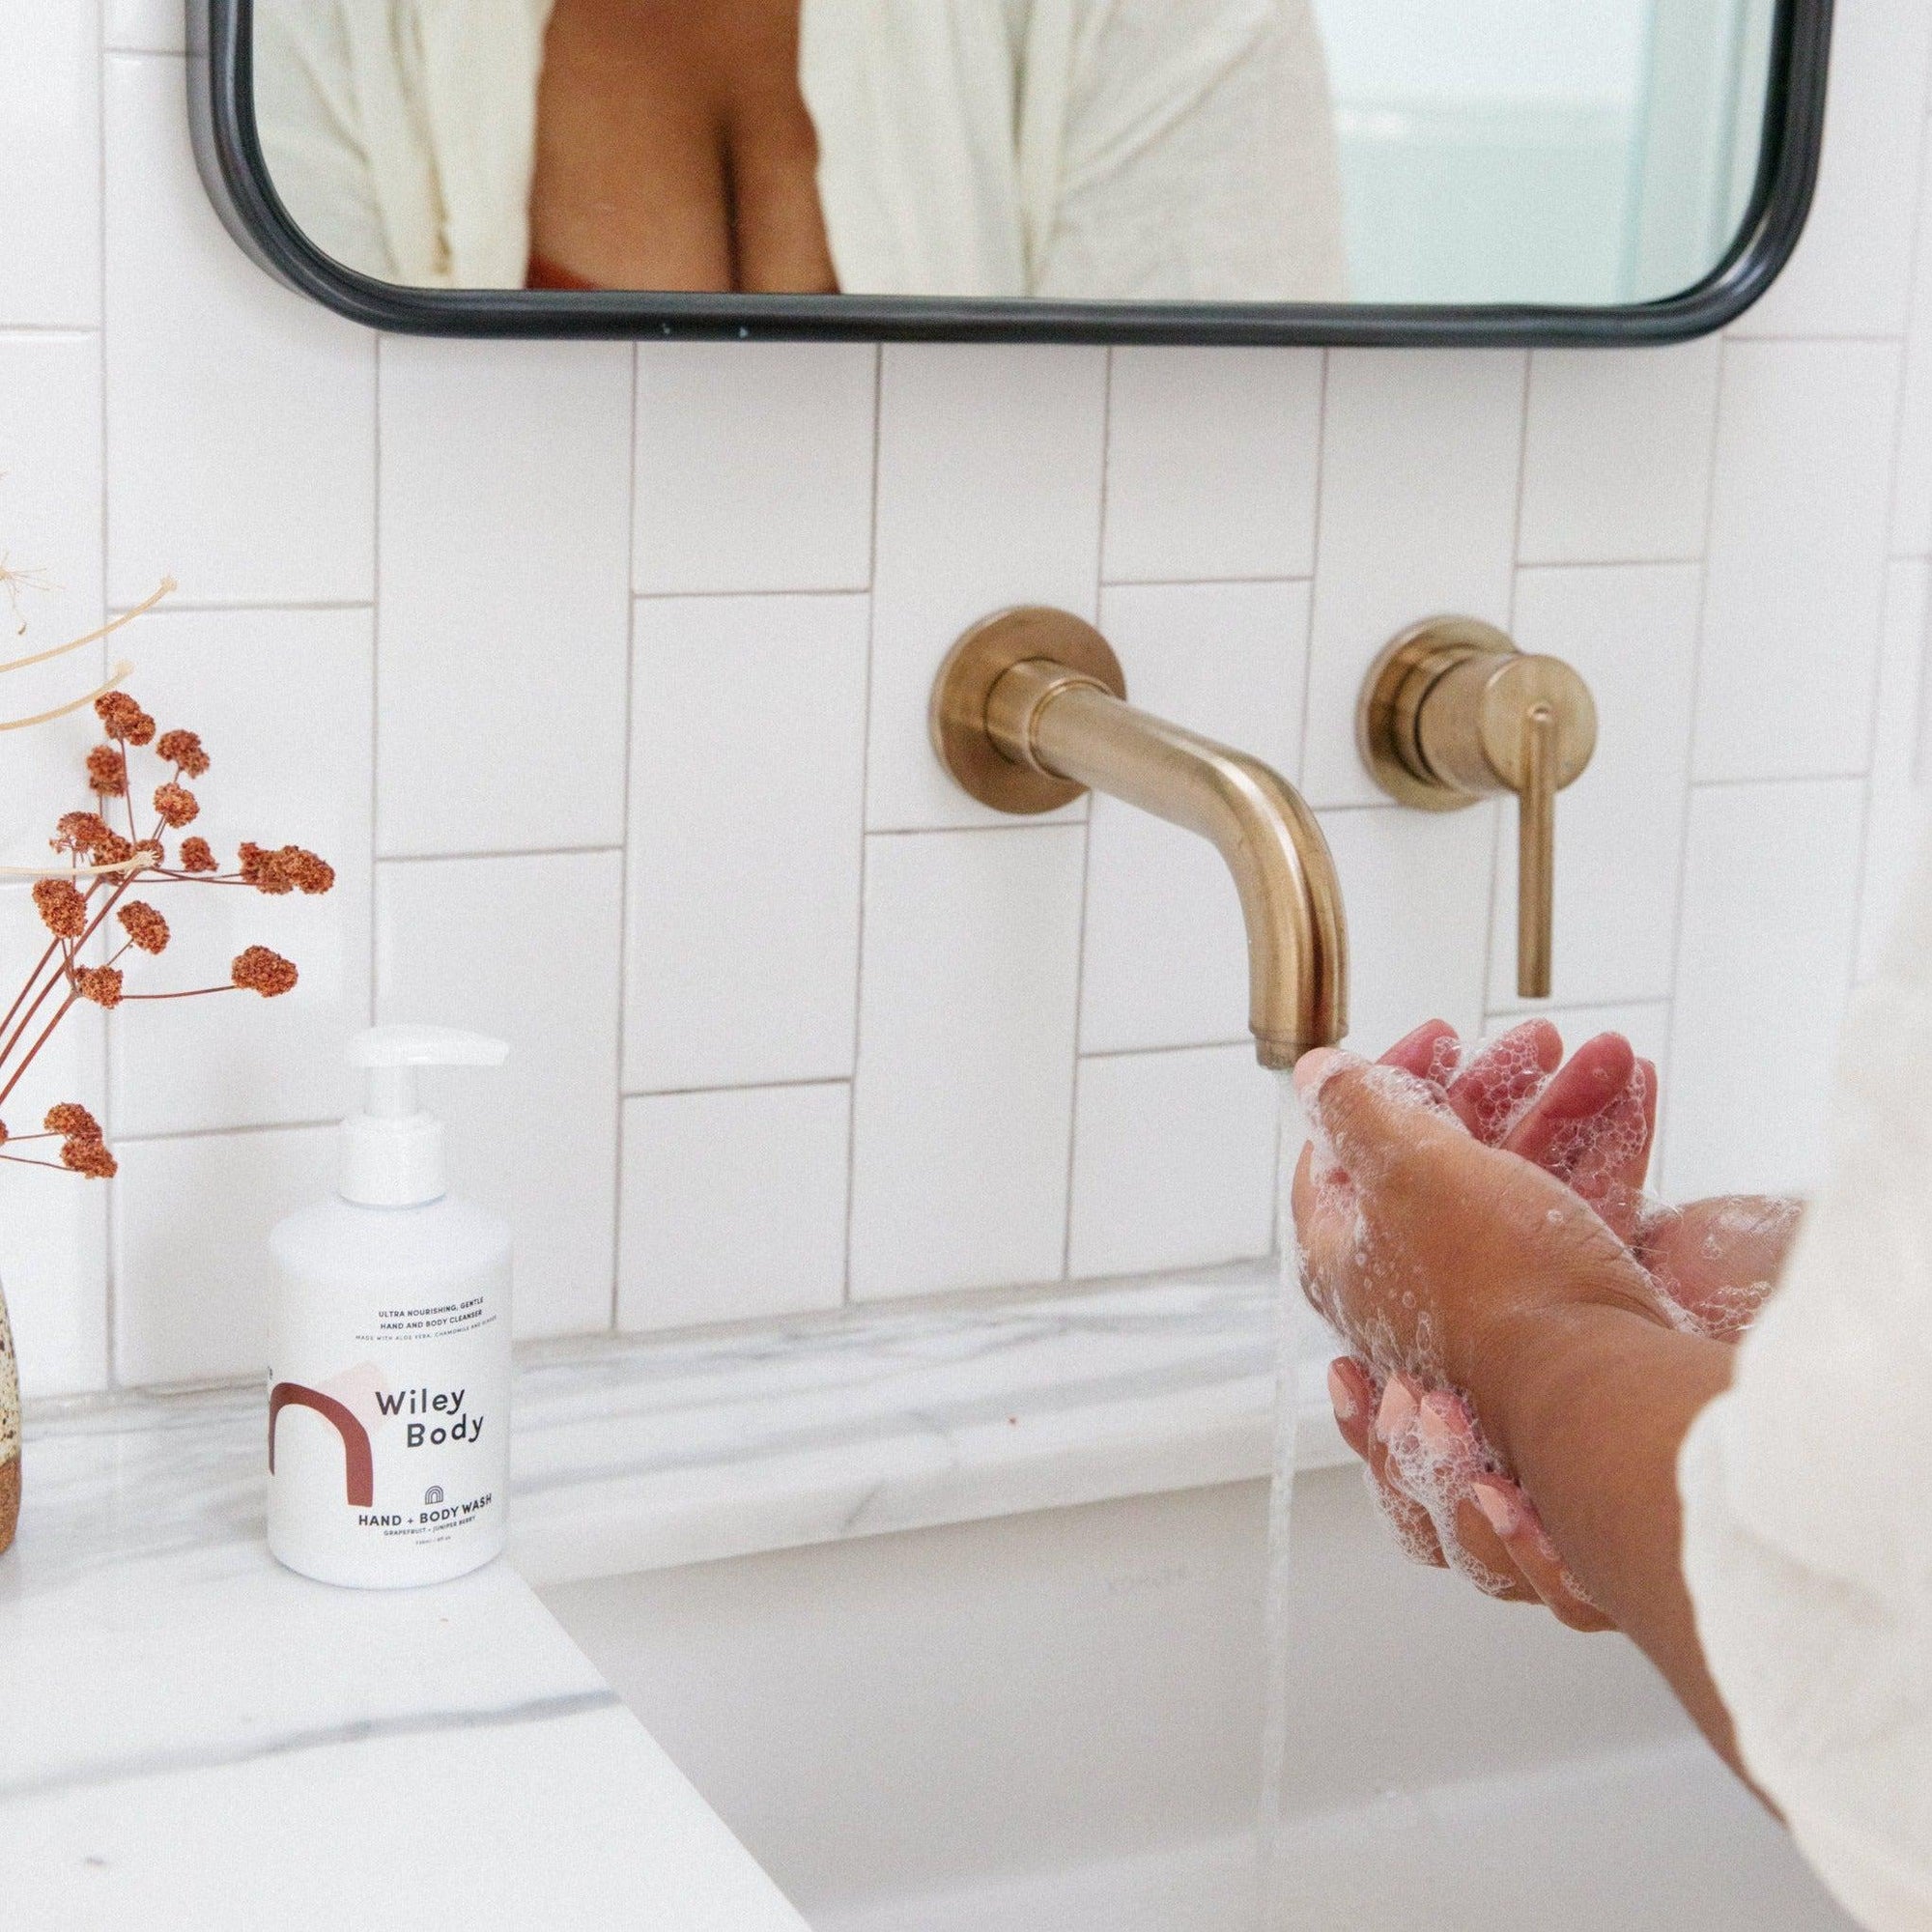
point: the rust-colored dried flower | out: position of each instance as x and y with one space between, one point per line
177 805
145 925
3 1133
259 971
286 868
183 751
72 1118
91 1158
198 856
88 836
123 719
106 771
99 983
312 874
60 907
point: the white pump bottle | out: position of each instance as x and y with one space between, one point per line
389 1346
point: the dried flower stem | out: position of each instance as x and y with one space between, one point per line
164 588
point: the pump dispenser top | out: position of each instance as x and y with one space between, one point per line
392 1150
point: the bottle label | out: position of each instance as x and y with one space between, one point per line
389 1437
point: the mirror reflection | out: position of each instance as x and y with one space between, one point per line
1592 153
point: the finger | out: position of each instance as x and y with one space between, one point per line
1449 1437
1504 1078
1517 1526
1414 1528
1374 1118
1353 1399
1592 1080
1429 1053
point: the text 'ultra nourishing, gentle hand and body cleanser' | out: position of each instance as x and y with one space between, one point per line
389 1346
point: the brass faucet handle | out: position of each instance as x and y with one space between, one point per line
1453 713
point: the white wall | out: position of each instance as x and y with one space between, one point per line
601 675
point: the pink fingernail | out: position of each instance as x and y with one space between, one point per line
1398 1410
1498 1509
1312 1068
1438 1422
1341 1394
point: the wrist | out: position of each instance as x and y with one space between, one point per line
1534 1359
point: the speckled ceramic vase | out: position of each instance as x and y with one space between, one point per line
10 1432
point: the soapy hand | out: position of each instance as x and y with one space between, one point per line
1589 1123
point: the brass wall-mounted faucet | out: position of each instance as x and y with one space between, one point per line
1453 713
1030 710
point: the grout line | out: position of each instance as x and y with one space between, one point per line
624 870
110 1205
1315 570
1086 844
1680 898
1499 816
1052 822
1245 1043
1525 568
179 608
742 595
504 852
1210 582
865 814
1779 778
808 1083
374 672
251 1128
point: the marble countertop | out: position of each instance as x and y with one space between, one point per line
190 1736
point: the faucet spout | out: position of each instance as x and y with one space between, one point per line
1030 689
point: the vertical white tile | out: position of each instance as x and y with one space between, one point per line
1911 493
1211 459
733 1206
50 162
1617 454
50 533
1417 889
1796 576
282 701
747 751
1173 1161
754 466
524 948
191 1222
505 510
1851 271
1771 907
989 495
1896 824
965 1091
146 26
1632 631
241 417
53 1227
1166 960
1419 467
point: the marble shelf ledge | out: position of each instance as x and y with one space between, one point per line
648 1454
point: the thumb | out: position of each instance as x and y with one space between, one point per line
1375 1119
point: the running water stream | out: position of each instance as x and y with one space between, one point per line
1274 1878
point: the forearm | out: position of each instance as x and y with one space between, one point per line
1590 1407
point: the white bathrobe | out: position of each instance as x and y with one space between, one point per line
1111 150
1807 1489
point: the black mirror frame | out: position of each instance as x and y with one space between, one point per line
228 150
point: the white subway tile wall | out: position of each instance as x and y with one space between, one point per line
604 685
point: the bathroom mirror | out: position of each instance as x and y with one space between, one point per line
1400 171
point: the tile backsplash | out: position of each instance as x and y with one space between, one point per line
601 674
